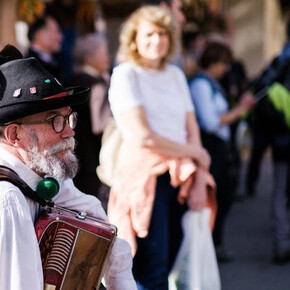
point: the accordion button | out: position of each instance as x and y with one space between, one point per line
81 215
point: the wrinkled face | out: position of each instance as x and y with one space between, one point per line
50 37
152 43
48 152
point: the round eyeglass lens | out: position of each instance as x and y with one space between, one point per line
72 120
58 123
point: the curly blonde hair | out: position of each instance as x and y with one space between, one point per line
154 14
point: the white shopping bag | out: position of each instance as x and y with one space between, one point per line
196 267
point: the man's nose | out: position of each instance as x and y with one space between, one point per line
68 131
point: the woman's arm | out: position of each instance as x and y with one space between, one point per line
198 192
193 133
211 120
136 124
246 103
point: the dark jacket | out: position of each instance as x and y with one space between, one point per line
88 143
51 66
266 117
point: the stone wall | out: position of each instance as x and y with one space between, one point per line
7 21
257 31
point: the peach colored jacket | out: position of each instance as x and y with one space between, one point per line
133 191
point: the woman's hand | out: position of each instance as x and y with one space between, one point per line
201 157
197 197
247 101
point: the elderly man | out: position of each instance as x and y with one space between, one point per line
36 140
92 70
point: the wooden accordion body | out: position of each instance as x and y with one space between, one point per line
74 249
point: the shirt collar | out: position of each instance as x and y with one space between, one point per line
90 70
44 56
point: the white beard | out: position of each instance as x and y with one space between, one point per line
48 163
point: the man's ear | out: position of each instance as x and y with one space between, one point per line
11 133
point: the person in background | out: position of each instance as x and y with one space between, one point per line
37 125
269 129
214 118
175 8
45 41
92 66
262 136
151 104
193 44
235 83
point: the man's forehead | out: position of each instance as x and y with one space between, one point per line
46 114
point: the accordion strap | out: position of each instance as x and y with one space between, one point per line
7 174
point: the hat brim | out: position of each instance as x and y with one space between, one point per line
75 96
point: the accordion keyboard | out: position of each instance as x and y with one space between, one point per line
61 249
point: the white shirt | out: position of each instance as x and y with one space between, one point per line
20 264
163 94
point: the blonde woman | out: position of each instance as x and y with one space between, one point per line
161 151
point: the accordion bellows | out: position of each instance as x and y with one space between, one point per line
74 249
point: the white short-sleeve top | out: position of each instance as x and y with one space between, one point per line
164 95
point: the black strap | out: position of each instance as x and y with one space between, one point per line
7 174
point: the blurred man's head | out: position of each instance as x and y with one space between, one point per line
45 35
92 50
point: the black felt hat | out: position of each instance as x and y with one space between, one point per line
26 88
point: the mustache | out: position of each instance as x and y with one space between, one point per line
66 144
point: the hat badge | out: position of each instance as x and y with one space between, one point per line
17 93
33 90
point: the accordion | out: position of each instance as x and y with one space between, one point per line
74 249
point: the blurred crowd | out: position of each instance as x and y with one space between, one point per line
178 97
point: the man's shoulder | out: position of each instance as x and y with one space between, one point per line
32 53
10 195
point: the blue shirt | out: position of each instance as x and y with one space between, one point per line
210 104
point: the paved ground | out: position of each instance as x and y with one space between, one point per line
248 237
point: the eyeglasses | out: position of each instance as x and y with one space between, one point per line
58 122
